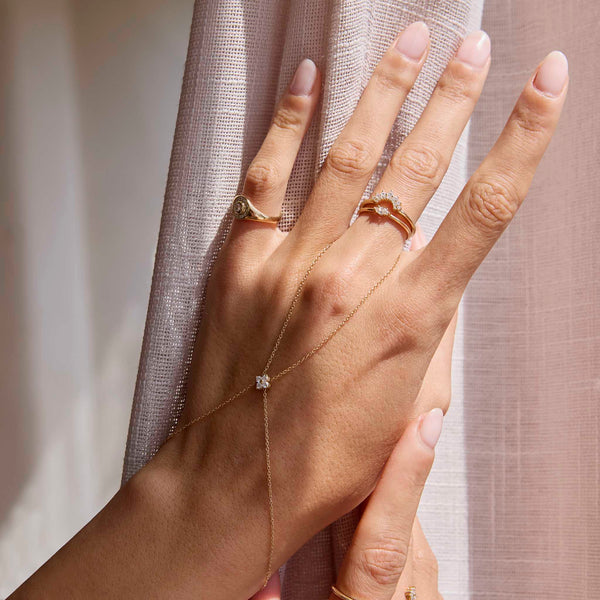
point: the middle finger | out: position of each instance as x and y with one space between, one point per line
418 165
355 153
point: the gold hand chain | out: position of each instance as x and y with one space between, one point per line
263 382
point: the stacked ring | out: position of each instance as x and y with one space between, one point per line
395 213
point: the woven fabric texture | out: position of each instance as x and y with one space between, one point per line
511 505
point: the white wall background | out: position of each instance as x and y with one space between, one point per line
88 101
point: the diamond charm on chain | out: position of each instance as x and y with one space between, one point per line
263 382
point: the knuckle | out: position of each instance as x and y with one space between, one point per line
388 78
262 176
383 561
326 292
401 331
350 158
289 119
492 204
530 120
226 284
404 326
419 164
457 86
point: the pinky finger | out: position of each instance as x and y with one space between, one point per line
495 191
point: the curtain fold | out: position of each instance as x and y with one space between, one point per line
512 503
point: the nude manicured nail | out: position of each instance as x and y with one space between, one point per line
552 74
431 427
475 49
412 42
304 78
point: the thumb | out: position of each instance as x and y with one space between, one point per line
377 554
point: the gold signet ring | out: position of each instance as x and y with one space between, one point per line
243 209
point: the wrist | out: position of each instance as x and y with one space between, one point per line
212 518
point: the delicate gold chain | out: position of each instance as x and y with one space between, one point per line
293 305
302 359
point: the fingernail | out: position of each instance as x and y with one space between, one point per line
304 78
552 74
418 240
475 49
412 42
431 427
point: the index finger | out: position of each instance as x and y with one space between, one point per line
498 187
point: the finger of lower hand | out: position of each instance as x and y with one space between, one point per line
496 190
425 566
377 555
272 591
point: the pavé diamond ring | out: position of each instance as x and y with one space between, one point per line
377 204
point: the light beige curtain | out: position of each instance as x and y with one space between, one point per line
88 103
512 505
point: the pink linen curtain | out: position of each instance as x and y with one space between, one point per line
512 505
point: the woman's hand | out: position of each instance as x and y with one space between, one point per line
380 559
200 505
389 552
336 418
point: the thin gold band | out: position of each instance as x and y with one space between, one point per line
339 594
408 227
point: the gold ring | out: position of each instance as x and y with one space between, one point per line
411 593
395 213
339 594
391 216
243 209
